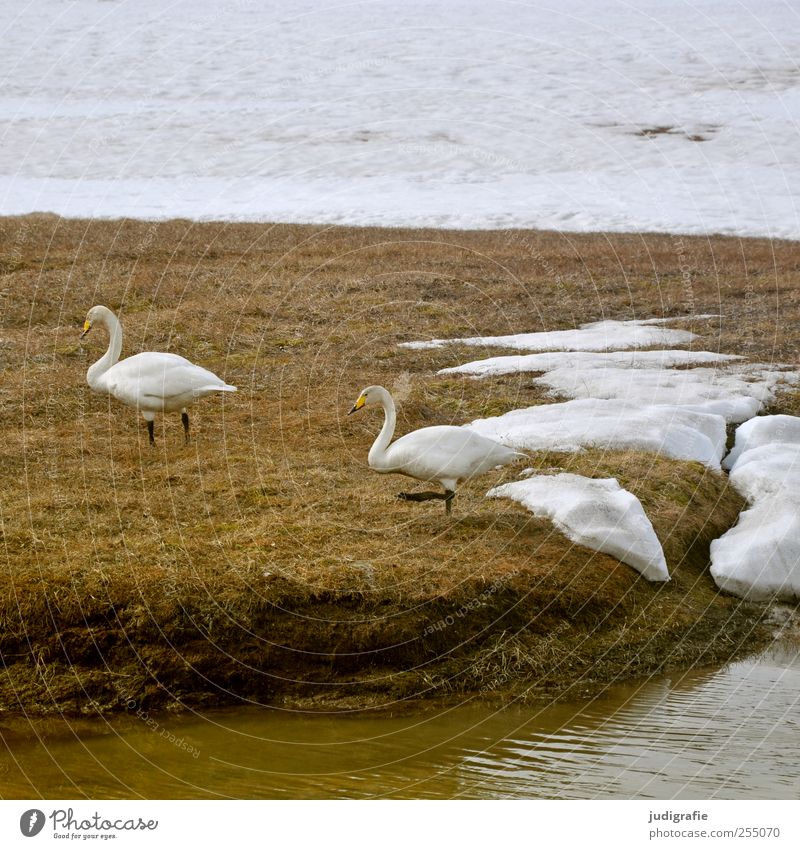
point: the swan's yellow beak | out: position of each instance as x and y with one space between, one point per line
87 326
358 405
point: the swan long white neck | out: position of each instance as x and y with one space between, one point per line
94 376
376 457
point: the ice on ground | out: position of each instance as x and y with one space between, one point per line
595 336
768 470
610 425
736 392
759 558
763 430
598 514
580 360
667 116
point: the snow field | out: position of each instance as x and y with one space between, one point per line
669 116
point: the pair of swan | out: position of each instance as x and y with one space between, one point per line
150 382
163 383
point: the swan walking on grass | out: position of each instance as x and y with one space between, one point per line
151 382
444 453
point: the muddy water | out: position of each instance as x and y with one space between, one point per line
722 733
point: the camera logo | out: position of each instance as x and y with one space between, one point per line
31 822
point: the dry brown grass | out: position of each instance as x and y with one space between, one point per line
264 561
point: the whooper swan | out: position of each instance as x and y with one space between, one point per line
151 382
444 453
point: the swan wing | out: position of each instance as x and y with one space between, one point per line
445 453
161 381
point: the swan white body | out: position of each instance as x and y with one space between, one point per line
445 454
152 382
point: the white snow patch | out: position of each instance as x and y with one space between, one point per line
763 430
610 425
598 514
759 558
595 336
737 392
767 471
581 360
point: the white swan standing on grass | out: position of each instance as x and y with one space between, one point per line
444 453
151 382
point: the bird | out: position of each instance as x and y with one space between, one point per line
443 453
151 382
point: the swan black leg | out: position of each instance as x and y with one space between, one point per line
447 496
421 496
185 420
150 432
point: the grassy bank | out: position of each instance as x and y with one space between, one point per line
264 561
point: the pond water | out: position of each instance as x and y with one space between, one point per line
712 733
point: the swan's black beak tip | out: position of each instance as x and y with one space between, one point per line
358 405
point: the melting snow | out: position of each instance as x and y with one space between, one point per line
763 430
577 115
737 393
596 513
651 401
610 425
759 558
596 336
579 360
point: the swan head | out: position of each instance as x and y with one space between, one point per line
369 396
96 315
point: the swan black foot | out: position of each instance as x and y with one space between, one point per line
185 421
447 496
151 432
420 496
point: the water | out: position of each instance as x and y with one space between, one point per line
728 733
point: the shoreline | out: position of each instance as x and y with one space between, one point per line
264 562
